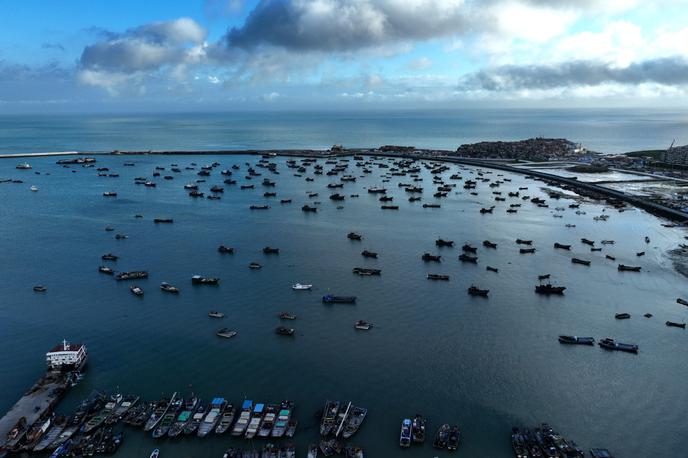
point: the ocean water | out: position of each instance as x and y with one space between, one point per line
484 364
609 131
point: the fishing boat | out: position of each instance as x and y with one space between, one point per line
441 437
466 258
438 277
580 261
23 166
286 316
284 331
475 291
270 250
576 340
212 418
57 425
562 246
135 275
168 419
366 272
109 257
354 236
268 420
309 209
526 250
329 418
427 257
226 420
488 244
136 290
610 344
200 280
405 436
351 421
255 266
520 242
169 288
291 428
676 325
196 419
254 423
624 268
418 429
301 287
244 417
469 249
492 269
548 289
215 314
622 316
444 243
682 301
369 254
453 439
184 416
163 220
122 409
161 409
98 419
226 333
283 418
330 299
155 453
225 249
363 325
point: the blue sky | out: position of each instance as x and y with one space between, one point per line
340 54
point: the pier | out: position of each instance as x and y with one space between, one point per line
36 403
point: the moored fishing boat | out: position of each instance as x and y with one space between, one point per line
329 418
226 333
226 420
610 344
192 425
244 417
301 287
418 429
127 403
405 436
217 408
453 439
353 420
200 280
168 419
169 288
441 437
576 340
548 289
624 268
255 421
475 291
268 420
283 416
438 277
98 419
676 325
160 410
184 416
330 299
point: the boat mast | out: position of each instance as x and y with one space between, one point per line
341 425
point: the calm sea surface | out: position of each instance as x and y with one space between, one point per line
610 131
485 364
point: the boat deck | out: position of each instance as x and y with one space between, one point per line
42 397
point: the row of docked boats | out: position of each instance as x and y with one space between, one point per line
543 442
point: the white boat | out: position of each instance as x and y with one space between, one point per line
33 188
23 166
300 287
155 453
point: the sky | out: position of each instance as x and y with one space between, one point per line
224 55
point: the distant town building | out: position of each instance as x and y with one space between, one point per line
533 149
66 356
676 155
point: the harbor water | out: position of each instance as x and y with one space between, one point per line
484 364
